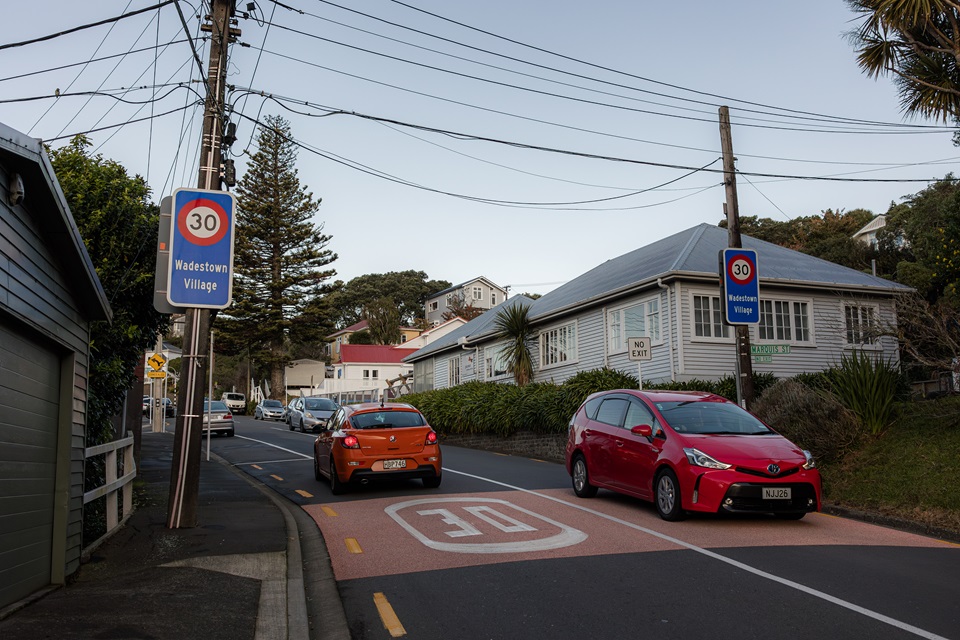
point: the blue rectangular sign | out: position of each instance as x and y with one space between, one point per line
201 249
741 286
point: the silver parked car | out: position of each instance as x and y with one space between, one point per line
220 418
269 410
311 413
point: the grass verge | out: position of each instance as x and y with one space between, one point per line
909 473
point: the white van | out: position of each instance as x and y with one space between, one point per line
236 402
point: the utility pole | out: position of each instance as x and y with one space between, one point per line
185 472
744 373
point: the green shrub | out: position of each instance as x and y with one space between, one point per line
813 419
725 386
868 386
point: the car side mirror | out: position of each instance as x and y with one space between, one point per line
644 430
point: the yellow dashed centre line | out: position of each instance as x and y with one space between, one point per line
328 511
276 477
256 466
353 546
304 493
390 620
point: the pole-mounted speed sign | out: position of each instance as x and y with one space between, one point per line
201 249
741 286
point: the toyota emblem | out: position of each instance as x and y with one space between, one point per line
773 469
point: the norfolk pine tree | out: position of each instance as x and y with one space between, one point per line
281 257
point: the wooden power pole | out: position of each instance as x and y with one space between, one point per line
185 472
744 373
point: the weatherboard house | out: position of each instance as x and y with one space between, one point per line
811 312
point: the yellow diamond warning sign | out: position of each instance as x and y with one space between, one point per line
157 361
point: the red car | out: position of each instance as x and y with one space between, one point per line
377 441
688 451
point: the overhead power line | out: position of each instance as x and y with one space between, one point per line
85 26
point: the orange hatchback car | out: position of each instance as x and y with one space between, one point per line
388 441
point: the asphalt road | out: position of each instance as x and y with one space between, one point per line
503 549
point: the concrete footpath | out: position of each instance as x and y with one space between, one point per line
255 567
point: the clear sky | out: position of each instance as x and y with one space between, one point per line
636 85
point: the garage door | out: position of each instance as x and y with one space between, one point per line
29 396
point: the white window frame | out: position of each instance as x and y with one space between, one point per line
873 310
453 372
493 298
491 356
477 293
716 312
434 305
618 331
567 344
775 336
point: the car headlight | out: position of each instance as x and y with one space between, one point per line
809 464
699 459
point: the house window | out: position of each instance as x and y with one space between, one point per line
366 374
707 319
434 305
493 299
375 374
784 320
453 372
496 363
860 324
423 375
617 342
477 293
558 346
633 322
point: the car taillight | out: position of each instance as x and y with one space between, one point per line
350 442
228 416
432 437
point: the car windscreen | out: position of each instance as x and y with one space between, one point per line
387 419
272 403
710 418
320 404
216 406
233 396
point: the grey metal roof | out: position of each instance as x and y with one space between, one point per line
480 326
695 252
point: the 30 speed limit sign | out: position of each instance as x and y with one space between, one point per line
201 249
741 286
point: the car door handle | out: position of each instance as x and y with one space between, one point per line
619 443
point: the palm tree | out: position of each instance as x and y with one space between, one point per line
513 323
915 41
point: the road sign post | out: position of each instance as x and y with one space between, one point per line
638 350
200 272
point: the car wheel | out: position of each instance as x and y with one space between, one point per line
667 496
230 433
581 479
302 430
336 487
432 482
790 516
290 424
316 468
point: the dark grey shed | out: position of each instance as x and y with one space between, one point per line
49 295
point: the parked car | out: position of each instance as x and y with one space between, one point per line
169 409
147 402
269 410
221 419
311 413
387 441
688 451
236 402
287 410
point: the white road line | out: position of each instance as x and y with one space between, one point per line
296 453
243 464
716 556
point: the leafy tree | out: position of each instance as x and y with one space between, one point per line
923 233
916 42
118 225
281 258
361 337
458 307
407 289
513 323
383 317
